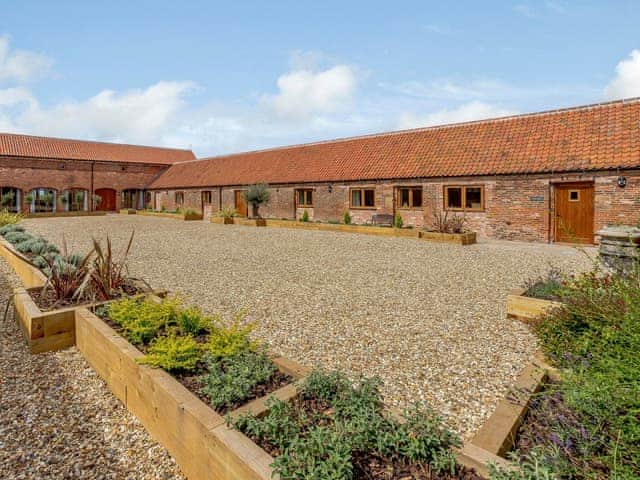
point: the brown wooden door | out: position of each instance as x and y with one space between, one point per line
574 213
107 199
241 205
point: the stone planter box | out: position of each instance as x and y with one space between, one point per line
526 308
193 433
64 214
468 238
29 275
222 220
128 211
177 216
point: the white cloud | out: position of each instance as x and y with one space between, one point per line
141 116
627 80
21 65
303 93
470 111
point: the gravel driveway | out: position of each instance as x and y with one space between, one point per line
428 318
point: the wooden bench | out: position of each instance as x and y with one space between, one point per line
382 219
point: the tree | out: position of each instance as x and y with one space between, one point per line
257 195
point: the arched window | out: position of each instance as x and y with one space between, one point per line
75 200
10 199
41 200
133 198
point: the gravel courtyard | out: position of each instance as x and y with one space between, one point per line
428 318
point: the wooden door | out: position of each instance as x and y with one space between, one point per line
107 199
241 205
574 212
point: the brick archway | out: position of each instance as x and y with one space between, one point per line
107 199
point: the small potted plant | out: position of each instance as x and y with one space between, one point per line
225 216
257 195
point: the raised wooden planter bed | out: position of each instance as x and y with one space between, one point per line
194 434
177 216
30 275
335 227
468 238
128 211
251 222
526 308
64 214
46 331
222 220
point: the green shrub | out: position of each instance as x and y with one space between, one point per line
228 341
305 216
346 218
397 221
595 338
8 218
17 237
231 380
191 321
12 227
173 354
190 212
314 445
142 319
227 212
32 245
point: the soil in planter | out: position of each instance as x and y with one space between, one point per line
544 291
48 300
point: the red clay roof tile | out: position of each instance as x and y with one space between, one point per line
593 137
45 147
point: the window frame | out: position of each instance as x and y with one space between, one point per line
362 197
304 191
411 191
463 198
208 193
175 199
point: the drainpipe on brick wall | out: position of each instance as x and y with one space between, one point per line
91 206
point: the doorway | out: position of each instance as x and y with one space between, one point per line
574 212
241 205
107 201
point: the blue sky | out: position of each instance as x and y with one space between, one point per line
230 76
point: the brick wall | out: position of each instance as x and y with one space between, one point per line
516 207
60 175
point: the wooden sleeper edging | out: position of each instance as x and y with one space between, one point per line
30 275
196 436
525 308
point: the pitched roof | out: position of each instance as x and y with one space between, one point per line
15 145
593 137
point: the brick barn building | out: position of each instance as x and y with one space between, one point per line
41 175
555 176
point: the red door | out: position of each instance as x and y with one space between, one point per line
107 199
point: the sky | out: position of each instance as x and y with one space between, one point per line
223 77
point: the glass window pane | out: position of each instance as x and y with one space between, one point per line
356 200
473 198
369 198
417 197
454 197
404 197
300 197
309 201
